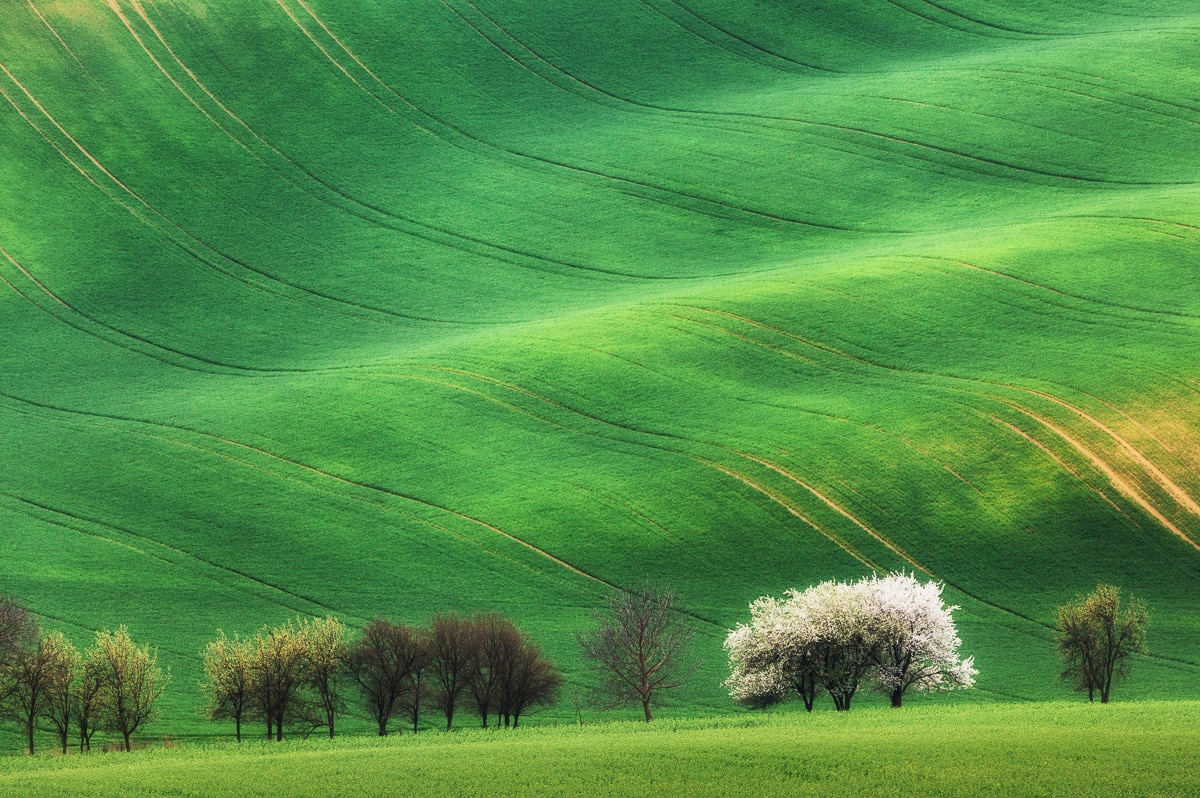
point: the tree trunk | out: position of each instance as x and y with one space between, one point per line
128 747
62 738
237 725
29 735
897 695
646 706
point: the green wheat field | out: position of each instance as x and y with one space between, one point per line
358 307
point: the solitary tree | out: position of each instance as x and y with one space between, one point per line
1097 638
452 658
130 683
638 647
227 681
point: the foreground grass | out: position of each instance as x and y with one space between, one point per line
1144 748
348 307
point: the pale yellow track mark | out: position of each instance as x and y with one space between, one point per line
71 138
51 142
50 27
329 55
1177 493
840 510
1166 483
32 279
1126 488
1046 450
751 341
785 504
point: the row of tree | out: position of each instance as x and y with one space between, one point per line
46 683
893 633
298 675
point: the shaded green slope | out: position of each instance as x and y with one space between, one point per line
358 308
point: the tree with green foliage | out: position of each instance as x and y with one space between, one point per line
638 647
279 669
85 703
228 671
1097 639
325 642
130 683
64 672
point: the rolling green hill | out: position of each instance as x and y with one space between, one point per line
371 307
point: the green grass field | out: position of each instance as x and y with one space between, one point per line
1042 749
368 307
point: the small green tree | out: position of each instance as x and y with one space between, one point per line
130 683
325 642
64 673
227 680
1097 638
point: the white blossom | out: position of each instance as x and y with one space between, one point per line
892 632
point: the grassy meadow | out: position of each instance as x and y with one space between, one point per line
1041 749
359 307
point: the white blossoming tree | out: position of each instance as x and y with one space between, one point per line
915 644
894 633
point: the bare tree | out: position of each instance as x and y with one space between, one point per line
1097 638
418 690
532 681
36 674
325 643
18 636
279 668
228 673
130 682
497 642
638 647
381 663
59 710
452 658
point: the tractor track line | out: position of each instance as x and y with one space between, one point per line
499 152
174 550
335 477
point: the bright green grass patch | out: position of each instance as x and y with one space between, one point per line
302 302
1046 749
